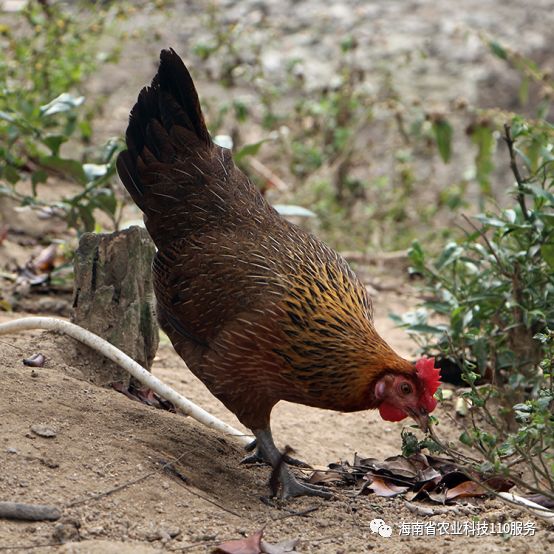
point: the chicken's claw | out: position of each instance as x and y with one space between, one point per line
291 487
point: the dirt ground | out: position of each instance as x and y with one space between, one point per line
103 467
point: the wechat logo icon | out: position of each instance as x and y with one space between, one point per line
380 527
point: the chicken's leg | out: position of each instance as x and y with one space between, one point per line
257 457
290 486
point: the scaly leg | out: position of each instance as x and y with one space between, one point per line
257 458
290 486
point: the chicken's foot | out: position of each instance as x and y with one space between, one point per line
290 486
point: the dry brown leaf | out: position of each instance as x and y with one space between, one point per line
468 488
499 483
429 474
419 476
248 545
399 467
44 262
383 488
324 476
254 544
437 495
144 395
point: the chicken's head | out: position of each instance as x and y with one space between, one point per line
401 395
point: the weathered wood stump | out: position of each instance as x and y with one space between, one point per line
113 298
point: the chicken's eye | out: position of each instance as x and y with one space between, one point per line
405 388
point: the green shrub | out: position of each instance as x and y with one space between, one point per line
490 309
46 54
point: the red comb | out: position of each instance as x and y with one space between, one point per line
429 374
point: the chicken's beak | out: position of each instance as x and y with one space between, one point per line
421 417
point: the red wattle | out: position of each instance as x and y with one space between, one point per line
391 413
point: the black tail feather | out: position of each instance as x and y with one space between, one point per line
171 99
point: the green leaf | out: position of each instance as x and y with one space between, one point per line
539 192
523 93
10 118
423 328
85 213
63 103
480 349
53 142
482 136
498 50
450 253
105 200
17 120
241 110
95 171
492 221
289 210
71 168
38 176
416 255
11 174
248 150
547 252
86 129
443 135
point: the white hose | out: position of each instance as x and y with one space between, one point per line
536 509
137 371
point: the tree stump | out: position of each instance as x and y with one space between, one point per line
113 298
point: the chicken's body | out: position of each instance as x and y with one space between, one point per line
260 310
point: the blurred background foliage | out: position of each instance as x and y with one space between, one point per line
356 150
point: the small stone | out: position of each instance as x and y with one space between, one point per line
66 532
11 450
152 536
43 431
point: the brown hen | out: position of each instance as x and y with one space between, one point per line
260 310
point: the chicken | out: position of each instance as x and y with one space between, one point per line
259 309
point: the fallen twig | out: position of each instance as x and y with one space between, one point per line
419 510
172 471
137 371
110 491
297 513
29 512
